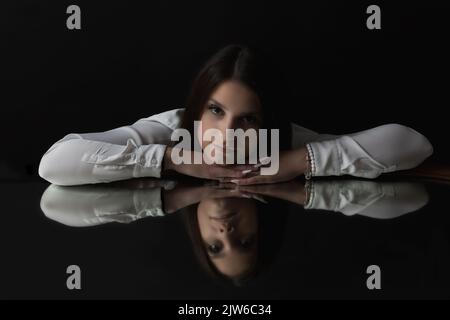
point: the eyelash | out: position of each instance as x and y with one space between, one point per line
214 249
249 119
215 109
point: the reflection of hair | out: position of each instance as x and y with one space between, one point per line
271 221
253 68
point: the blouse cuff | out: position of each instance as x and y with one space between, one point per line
346 196
342 156
324 196
148 203
150 160
146 159
324 158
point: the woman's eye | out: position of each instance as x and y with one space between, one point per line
247 242
249 119
215 109
214 248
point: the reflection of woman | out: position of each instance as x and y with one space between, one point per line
233 236
236 88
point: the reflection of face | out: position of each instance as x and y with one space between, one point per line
232 105
228 227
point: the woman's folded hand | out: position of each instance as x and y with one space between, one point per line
205 171
292 164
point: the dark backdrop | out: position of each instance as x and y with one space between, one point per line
133 59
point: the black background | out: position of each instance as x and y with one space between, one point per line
133 59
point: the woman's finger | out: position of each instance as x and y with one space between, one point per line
226 185
253 180
262 189
245 174
254 197
224 172
227 193
240 167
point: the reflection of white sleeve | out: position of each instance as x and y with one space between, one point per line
83 206
365 154
122 153
380 200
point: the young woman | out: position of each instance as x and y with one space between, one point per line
236 88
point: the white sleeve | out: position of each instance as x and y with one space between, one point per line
122 153
379 200
89 205
367 153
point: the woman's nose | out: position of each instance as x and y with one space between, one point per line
230 123
228 228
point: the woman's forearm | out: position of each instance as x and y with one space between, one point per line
370 153
80 161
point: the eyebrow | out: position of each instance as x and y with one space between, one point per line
218 103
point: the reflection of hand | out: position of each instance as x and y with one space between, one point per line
293 191
183 196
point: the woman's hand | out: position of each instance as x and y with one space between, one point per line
205 171
292 164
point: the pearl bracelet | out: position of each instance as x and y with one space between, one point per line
310 164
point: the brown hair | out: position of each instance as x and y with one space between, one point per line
254 68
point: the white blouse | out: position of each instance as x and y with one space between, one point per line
137 150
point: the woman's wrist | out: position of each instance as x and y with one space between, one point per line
301 161
167 160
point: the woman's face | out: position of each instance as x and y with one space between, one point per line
228 227
233 105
